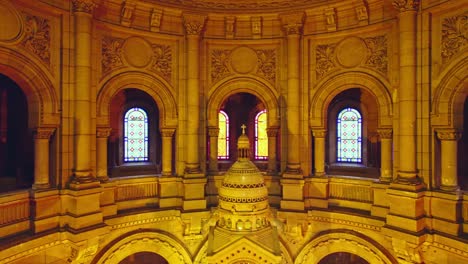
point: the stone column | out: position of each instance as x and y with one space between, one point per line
448 158
213 133
193 26
82 174
272 133
407 173
319 151
102 135
41 157
167 134
292 24
385 155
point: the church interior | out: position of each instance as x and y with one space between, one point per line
233 131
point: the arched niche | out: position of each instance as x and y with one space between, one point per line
157 88
343 241
329 88
262 90
37 85
155 242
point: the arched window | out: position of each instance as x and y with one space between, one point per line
135 135
261 137
349 136
223 136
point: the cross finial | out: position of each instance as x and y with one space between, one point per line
243 129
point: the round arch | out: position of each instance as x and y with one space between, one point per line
343 241
450 95
36 84
158 89
149 241
341 81
264 91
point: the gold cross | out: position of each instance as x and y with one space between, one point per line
243 128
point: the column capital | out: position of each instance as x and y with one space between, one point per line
167 132
386 133
103 132
85 6
44 132
319 133
213 131
448 134
406 5
272 131
193 23
293 23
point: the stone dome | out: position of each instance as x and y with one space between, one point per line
243 195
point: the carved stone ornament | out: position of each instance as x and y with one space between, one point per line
378 58
454 36
324 59
155 20
361 13
293 23
385 133
167 132
194 24
229 23
448 134
86 6
330 19
219 64
37 37
272 131
126 14
267 64
111 53
406 5
44 132
103 132
319 133
162 57
256 23
213 131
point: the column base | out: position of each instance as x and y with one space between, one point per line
292 168
82 180
385 179
103 178
192 169
41 186
445 188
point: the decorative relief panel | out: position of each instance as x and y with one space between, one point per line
37 37
111 53
136 52
454 36
352 52
243 60
378 58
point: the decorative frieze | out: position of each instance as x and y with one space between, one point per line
454 36
378 58
324 59
406 5
162 56
111 53
37 37
86 6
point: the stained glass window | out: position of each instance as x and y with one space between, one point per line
223 136
349 135
135 135
261 137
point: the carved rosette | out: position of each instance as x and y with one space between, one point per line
37 37
103 132
378 58
162 64
194 24
454 36
385 133
448 134
319 133
44 132
220 60
111 53
406 5
267 64
85 6
324 59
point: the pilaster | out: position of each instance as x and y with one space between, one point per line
272 133
213 133
41 157
448 158
319 151
102 134
386 154
167 134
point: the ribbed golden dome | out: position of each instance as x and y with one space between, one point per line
243 196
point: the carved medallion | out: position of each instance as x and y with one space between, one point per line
243 60
137 52
10 24
351 52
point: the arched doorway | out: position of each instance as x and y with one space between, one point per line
144 258
16 140
342 258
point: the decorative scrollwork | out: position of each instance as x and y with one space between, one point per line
37 37
324 59
378 58
111 53
454 36
267 64
219 64
162 60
